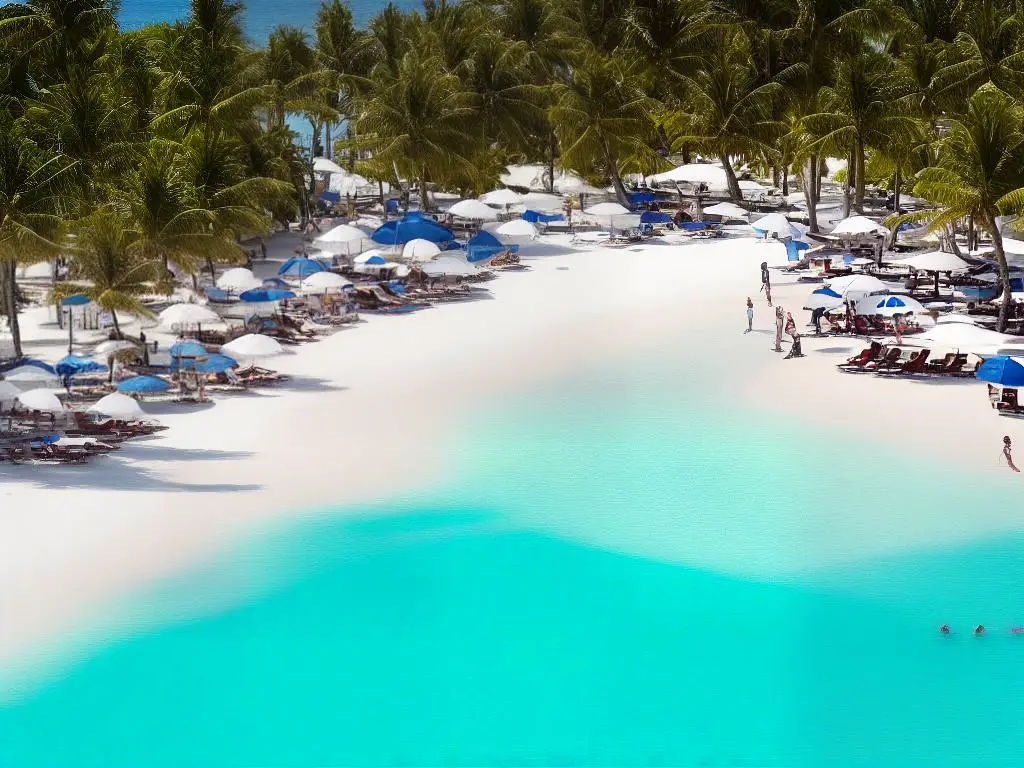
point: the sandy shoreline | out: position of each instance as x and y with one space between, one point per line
73 539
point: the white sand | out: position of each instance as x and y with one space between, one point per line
368 410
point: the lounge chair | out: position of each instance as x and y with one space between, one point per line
915 365
888 360
866 356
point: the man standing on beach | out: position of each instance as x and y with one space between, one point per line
766 284
750 315
780 322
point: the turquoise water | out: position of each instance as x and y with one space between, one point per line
627 571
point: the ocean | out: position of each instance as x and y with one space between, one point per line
261 16
621 568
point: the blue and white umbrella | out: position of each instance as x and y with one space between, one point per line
824 298
189 349
144 385
888 306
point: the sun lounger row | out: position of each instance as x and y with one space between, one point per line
890 361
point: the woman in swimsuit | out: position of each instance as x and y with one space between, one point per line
1008 454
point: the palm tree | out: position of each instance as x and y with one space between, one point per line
986 49
729 111
978 173
417 122
31 195
602 116
288 69
509 107
108 258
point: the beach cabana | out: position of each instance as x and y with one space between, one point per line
41 400
144 385
300 268
414 226
473 210
343 238
118 406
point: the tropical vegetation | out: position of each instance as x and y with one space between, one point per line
144 156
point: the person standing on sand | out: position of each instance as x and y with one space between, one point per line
1008 454
750 315
779 324
766 283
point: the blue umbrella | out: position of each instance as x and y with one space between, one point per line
827 292
300 268
536 217
144 385
635 198
413 226
215 363
75 300
73 365
1002 370
188 349
483 245
275 282
37 364
261 295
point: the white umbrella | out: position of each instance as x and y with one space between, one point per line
859 225
889 306
713 175
341 239
112 346
777 225
501 197
29 374
365 256
41 400
252 345
324 281
823 301
8 392
935 261
324 165
420 250
118 406
607 209
188 314
857 286
474 210
543 202
516 230
728 211
449 265
238 279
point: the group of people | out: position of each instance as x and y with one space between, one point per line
784 322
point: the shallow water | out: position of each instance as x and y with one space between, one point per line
625 571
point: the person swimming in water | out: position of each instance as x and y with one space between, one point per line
945 629
980 629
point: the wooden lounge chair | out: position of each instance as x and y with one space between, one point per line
915 365
865 356
888 360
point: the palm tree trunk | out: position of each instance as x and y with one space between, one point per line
613 171
816 159
328 149
9 289
851 178
552 148
424 202
858 202
730 177
785 180
949 236
117 325
810 184
1004 272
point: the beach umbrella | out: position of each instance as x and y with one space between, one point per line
505 197
712 175
607 209
188 314
414 225
237 279
728 211
538 217
37 363
776 225
449 265
935 261
261 296
72 365
370 257
214 363
420 250
543 201
824 298
889 306
341 239
112 346
30 374
300 268
41 400
75 300
327 166
252 345
190 349
516 230
859 225
8 392
118 406
325 281
1003 370
857 286
474 210
144 385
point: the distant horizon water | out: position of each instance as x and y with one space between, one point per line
625 569
261 16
